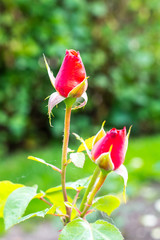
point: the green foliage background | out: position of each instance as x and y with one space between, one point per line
119 45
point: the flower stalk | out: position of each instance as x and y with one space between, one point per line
89 188
69 103
94 191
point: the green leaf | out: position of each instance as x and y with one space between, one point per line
16 205
78 159
51 210
58 201
36 214
44 162
6 187
77 185
106 204
106 231
80 229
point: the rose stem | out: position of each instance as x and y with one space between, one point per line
93 193
90 186
69 102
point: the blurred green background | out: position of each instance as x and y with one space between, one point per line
119 45
119 42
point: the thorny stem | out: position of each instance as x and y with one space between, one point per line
89 188
69 103
91 196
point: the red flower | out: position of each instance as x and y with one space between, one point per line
109 152
71 74
71 81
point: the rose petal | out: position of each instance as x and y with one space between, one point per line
70 75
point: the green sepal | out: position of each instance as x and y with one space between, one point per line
122 171
79 89
84 144
69 101
90 142
50 74
104 162
99 135
80 101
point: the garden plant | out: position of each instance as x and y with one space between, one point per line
106 149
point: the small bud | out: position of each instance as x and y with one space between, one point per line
71 74
110 149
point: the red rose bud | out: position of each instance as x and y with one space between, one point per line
109 152
71 82
71 79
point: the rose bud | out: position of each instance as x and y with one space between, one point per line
70 82
71 74
109 152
